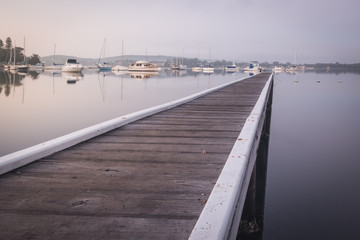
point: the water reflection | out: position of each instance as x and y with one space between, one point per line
35 107
143 75
312 176
72 77
10 80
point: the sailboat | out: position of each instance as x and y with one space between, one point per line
210 68
231 68
121 67
104 66
197 68
24 67
54 66
18 67
294 68
176 66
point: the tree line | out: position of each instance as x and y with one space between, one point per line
7 54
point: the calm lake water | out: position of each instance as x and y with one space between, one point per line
313 182
39 107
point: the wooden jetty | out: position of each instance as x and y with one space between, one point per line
149 179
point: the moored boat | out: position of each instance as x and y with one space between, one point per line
231 68
143 66
119 68
278 69
208 70
104 67
38 66
54 67
253 67
197 69
72 65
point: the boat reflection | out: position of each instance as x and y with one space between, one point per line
72 77
143 75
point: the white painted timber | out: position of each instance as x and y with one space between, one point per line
20 158
221 215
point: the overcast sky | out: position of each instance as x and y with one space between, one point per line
242 30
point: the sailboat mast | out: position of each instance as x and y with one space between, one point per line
54 53
122 52
209 55
24 52
102 50
14 54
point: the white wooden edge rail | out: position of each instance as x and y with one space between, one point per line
221 215
20 158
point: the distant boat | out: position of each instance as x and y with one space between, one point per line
182 67
278 69
18 67
143 66
103 66
197 69
72 65
38 67
175 67
120 68
291 69
253 67
210 68
178 65
231 68
54 66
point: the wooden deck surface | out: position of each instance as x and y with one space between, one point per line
147 180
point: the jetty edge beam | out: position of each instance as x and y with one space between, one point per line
221 215
28 155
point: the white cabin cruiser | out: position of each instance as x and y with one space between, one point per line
72 65
253 67
143 66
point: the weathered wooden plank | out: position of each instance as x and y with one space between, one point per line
93 227
173 133
135 156
184 127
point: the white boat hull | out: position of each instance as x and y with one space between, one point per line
197 69
70 68
143 66
208 70
155 69
119 68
